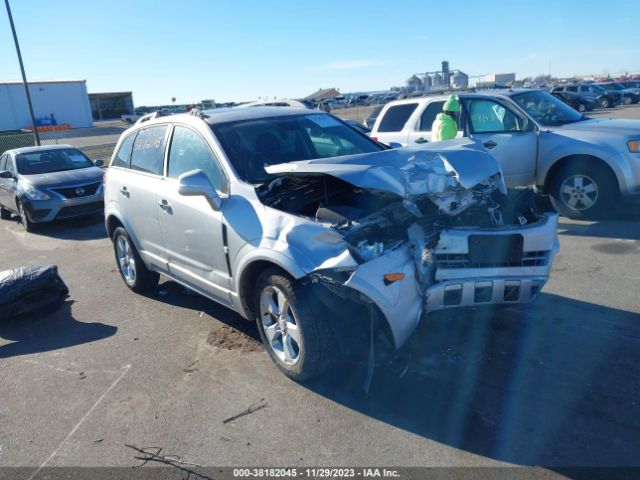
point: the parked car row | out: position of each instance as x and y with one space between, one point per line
586 165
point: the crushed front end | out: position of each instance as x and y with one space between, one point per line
428 231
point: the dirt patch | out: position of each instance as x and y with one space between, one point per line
229 338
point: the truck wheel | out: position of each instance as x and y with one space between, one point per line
605 103
132 269
24 219
583 192
296 335
4 213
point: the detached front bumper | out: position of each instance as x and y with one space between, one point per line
457 281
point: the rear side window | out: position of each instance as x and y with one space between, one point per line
572 89
3 162
396 117
188 152
429 115
148 150
121 158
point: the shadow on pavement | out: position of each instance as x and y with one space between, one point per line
84 228
36 334
556 383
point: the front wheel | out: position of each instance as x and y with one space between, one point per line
297 337
132 269
24 219
627 100
582 108
605 103
583 191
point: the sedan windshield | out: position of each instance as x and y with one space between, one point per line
547 109
253 144
48 161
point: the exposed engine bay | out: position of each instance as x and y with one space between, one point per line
372 222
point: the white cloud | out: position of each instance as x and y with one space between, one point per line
348 64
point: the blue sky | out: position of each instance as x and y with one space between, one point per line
242 50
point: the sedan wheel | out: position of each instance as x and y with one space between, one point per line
24 219
627 100
604 103
280 326
582 108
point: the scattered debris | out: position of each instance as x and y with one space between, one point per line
82 375
191 368
201 314
98 440
154 454
253 408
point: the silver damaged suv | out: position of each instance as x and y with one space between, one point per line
322 235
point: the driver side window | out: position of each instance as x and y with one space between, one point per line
488 116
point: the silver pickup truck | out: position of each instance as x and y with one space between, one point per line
585 164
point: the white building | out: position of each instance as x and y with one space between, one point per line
501 79
66 99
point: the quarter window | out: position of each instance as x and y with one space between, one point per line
122 157
188 152
489 116
396 117
3 162
148 150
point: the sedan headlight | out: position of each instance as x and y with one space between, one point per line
634 146
33 193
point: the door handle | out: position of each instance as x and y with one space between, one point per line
490 144
164 205
124 192
421 140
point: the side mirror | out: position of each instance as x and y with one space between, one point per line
6 174
196 183
98 163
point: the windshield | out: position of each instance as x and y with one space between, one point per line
253 144
48 161
613 86
547 109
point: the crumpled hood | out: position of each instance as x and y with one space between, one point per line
64 178
407 172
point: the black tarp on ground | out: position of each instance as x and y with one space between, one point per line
31 289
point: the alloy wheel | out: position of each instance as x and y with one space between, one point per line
126 260
579 192
279 324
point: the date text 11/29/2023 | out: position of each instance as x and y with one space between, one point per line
330 473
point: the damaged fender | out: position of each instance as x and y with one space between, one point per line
400 301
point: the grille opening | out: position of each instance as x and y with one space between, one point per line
461 260
512 291
535 289
483 292
452 295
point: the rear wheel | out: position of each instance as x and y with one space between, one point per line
132 269
4 213
582 107
605 103
297 337
627 100
583 191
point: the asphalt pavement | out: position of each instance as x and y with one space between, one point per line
555 383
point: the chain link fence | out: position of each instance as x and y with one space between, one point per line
95 142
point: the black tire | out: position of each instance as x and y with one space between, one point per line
28 225
317 349
577 200
142 278
4 213
605 103
627 100
582 107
